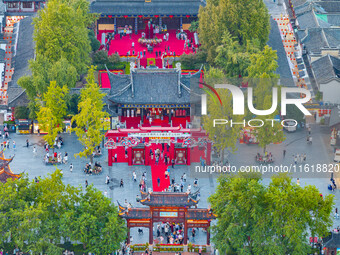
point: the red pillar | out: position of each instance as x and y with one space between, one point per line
172 151
151 232
147 155
128 232
185 232
110 157
208 235
188 156
208 160
129 150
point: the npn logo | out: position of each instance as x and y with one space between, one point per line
239 101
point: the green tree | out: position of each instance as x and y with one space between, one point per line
233 58
89 120
60 31
95 223
225 135
257 219
21 112
53 111
194 26
63 73
294 113
271 131
243 19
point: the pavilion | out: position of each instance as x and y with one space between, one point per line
168 207
156 107
5 170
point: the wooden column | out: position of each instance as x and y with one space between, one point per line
151 232
110 156
208 234
185 232
128 233
188 156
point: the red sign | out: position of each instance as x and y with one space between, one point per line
313 239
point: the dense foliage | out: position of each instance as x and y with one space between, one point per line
37 216
278 218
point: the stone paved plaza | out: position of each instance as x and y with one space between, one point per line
32 164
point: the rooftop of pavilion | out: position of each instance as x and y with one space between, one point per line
154 86
141 7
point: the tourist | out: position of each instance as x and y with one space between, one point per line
107 180
134 176
158 181
172 163
133 44
71 167
86 184
116 157
27 143
34 150
65 157
184 177
167 36
121 183
14 145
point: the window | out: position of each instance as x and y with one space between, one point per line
13 5
27 5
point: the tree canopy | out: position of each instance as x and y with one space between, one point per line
36 216
53 111
275 219
90 119
245 20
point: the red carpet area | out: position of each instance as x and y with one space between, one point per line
158 171
103 78
124 45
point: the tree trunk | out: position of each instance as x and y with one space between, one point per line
264 150
91 158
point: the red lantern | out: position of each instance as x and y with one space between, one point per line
140 16
126 16
171 16
110 16
156 16
188 16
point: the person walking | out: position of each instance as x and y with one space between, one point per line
121 183
86 184
107 180
172 163
71 167
34 150
158 181
295 159
134 176
27 143
14 145
284 153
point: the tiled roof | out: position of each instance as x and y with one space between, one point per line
333 19
168 199
24 51
141 7
158 86
314 40
326 68
328 6
275 42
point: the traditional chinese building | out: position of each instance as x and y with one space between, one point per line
5 170
168 207
173 14
23 7
156 106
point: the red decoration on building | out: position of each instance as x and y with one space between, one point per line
171 16
188 16
140 16
126 16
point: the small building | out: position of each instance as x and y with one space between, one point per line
23 7
327 75
332 244
117 13
168 207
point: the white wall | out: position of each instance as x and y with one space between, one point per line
331 91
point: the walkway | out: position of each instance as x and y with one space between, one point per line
158 170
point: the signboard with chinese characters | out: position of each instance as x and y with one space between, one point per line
168 214
159 135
